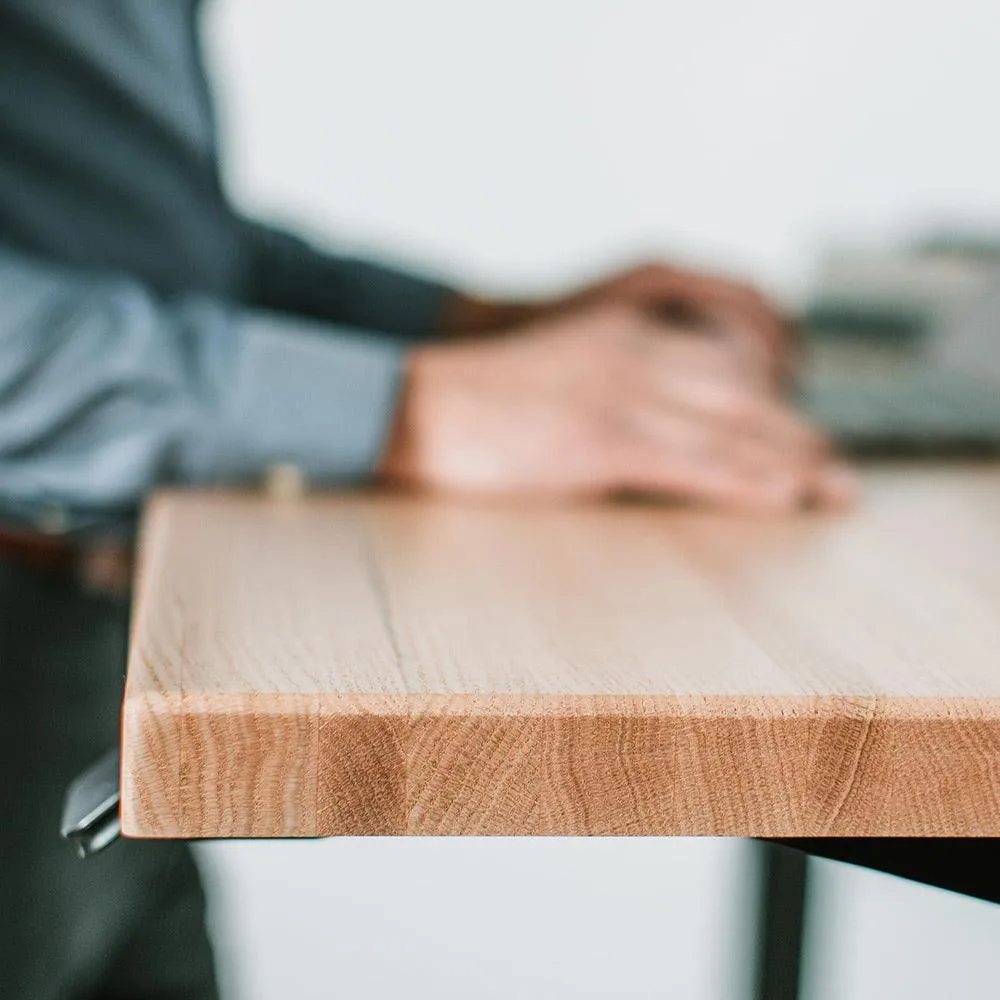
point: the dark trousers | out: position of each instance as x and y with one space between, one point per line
124 925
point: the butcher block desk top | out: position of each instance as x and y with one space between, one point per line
364 664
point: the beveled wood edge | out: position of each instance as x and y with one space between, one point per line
696 706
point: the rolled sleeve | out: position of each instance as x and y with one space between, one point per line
108 391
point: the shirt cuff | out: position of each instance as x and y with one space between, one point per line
304 394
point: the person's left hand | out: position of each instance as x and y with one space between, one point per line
731 310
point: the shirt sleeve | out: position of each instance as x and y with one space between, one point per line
289 275
107 391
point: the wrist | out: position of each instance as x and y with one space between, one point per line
467 315
399 462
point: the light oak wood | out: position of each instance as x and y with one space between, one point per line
379 665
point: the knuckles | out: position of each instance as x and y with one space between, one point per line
735 403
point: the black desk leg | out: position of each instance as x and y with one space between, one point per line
780 922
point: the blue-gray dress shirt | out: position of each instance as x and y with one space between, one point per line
148 334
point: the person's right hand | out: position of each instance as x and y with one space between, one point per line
603 401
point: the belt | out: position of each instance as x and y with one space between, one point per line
102 568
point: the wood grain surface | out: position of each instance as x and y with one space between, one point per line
386 665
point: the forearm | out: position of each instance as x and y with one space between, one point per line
467 315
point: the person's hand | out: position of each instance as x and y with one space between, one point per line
604 401
733 311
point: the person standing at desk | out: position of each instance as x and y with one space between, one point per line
150 335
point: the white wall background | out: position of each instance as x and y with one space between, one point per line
518 145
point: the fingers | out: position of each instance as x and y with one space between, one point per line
724 471
765 351
716 486
836 485
681 372
678 453
735 310
753 352
688 426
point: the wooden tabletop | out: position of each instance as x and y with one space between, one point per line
386 665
